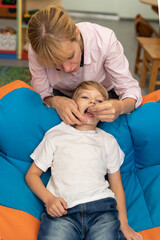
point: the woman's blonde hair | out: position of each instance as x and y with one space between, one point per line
47 30
88 85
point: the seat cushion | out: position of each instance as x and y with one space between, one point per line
23 122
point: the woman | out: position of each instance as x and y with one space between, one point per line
62 54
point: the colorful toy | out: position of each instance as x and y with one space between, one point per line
28 15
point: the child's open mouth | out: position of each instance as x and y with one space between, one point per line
88 114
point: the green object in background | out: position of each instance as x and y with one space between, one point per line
10 74
9 2
27 16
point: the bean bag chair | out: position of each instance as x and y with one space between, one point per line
24 119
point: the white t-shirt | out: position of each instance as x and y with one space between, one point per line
79 161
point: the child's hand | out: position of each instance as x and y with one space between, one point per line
130 234
56 207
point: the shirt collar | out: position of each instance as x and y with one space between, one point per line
82 60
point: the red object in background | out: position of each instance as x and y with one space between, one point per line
24 54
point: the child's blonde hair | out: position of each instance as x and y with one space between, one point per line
88 85
47 30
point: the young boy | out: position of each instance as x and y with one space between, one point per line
80 203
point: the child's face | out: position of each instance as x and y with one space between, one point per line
87 98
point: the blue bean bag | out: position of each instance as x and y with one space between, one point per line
23 122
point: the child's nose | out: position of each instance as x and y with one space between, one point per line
92 101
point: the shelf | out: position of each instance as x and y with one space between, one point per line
8 51
8 54
8 6
22 7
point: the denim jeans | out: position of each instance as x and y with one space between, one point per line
97 220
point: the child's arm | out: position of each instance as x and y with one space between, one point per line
116 186
55 206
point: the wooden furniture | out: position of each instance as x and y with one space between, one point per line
7 11
143 29
152 3
4 13
151 61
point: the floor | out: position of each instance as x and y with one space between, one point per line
124 30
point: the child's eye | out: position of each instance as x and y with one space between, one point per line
99 101
84 97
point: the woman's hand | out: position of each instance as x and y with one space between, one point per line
67 109
107 111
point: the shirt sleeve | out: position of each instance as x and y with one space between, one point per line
43 155
115 156
39 81
117 66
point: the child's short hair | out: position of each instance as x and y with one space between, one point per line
88 85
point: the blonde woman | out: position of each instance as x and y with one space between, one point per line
62 54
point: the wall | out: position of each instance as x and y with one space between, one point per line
133 7
38 4
91 5
123 8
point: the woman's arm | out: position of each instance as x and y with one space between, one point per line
116 186
65 107
39 81
117 68
55 206
109 110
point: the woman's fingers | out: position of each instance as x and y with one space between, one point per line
106 111
69 113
